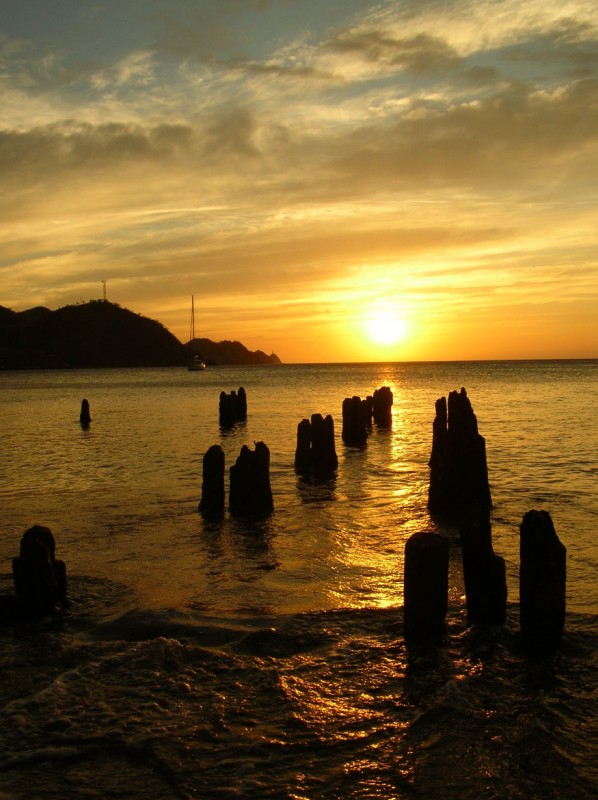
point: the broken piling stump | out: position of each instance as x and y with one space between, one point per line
85 415
425 588
316 452
458 467
250 492
356 420
232 407
542 583
212 488
382 406
39 577
303 449
484 572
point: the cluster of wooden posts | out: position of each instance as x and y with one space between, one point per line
250 492
232 407
459 493
541 581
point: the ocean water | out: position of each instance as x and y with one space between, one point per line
237 659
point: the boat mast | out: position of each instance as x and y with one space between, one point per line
192 328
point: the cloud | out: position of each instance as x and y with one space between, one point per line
137 69
419 53
437 150
53 152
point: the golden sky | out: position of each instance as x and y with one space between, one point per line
333 180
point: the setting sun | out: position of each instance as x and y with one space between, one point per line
385 326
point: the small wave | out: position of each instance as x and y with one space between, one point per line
145 624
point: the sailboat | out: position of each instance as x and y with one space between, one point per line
196 363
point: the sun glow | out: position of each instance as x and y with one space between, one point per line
384 325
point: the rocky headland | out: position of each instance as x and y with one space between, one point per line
101 334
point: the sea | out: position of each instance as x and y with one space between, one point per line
265 658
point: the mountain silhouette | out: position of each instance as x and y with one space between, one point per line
230 353
102 334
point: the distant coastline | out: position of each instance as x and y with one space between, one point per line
100 334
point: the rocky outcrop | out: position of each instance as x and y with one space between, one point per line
230 353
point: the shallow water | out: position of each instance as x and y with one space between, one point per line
266 659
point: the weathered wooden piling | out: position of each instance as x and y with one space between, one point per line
303 449
39 577
85 416
250 492
324 458
542 582
382 406
232 407
212 487
426 588
458 467
316 451
483 572
356 419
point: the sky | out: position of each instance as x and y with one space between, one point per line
332 180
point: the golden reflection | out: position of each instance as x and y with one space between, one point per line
366 554
321 706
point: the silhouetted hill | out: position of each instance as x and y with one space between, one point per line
230 353
101 334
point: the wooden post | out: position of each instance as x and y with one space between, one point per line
323 450
250 492
426 587
39 577
85 416
458 468
212 488
232 407
303 450
355 421
542 582
483 571
382 406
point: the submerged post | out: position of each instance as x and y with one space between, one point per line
232 407
483 572
250 492
458 468
356 416
316 452
542 582
85 416
426 588
303 449
39 577
382 406
324 458
212 488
